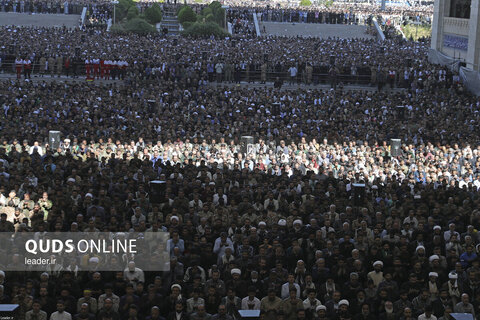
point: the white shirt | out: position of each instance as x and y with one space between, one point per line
293 71
246 302
424 317
61 316
286 290
136 274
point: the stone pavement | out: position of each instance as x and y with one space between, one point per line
39 19
315 30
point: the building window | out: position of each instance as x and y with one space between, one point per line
460 9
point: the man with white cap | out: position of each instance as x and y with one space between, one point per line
433 287
453 287
437 230
342 312
377 274
237 282
321 312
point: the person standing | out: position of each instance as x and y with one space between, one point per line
19 67
380 79
66 65
293 73
59 62
27 68
219 71
309 72
51 65
263 74
43 66
333 77
87 68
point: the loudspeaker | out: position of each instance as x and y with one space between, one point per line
395 147
246 143
54 139
157 191
358 193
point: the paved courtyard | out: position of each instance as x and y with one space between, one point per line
39 20
315 30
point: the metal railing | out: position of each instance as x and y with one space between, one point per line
319 76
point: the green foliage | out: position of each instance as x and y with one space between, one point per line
124 5
186 14
205 29
209 18
121 9
213 13
132 12
210 21
153 14
415 32
305 3
118 28
328 3
187 24
215 5
206 11
136 25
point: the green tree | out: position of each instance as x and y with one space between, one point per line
305 3
205 29
121 9
132 13
139 26
153 14
186 14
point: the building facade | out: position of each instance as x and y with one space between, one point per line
456 31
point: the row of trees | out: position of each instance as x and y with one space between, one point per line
129 19
210 21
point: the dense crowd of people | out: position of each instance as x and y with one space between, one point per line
291 201
62 51
242 22
297 242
